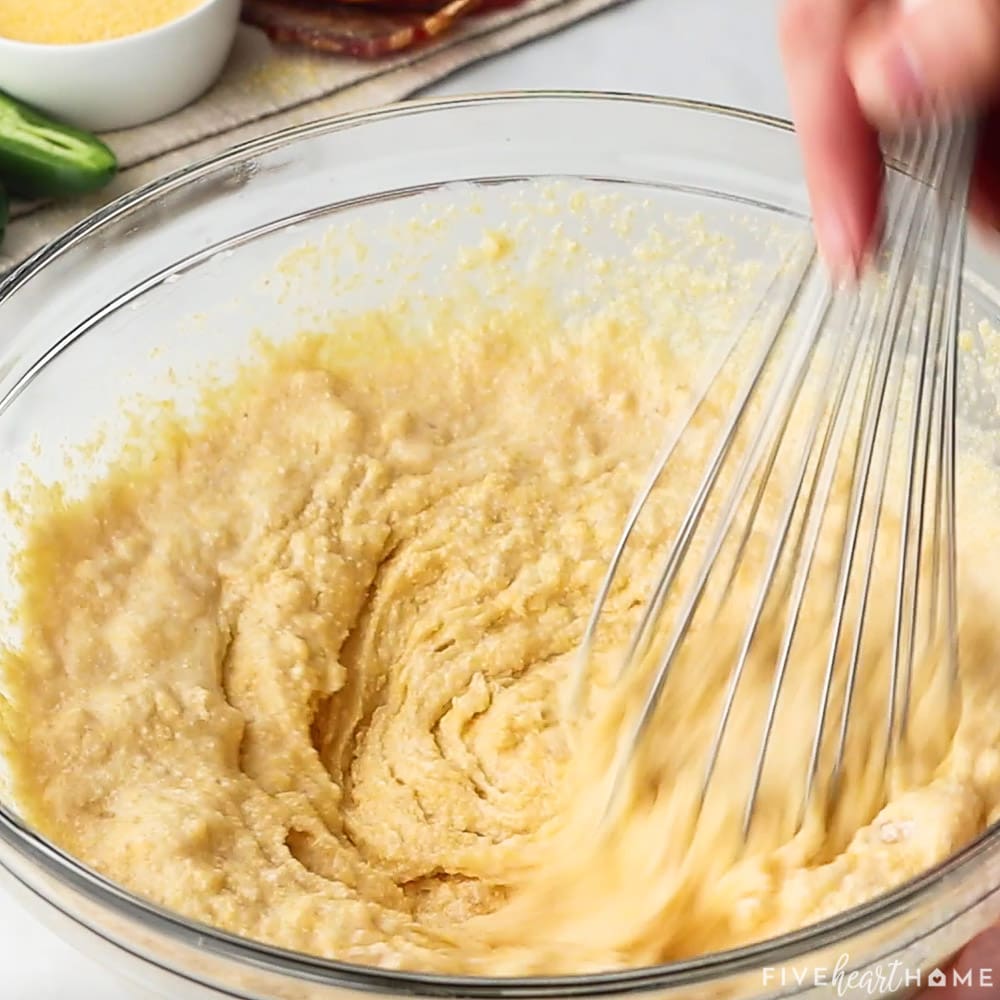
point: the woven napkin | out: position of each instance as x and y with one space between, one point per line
265 88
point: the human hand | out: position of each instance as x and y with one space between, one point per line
855 67
975 974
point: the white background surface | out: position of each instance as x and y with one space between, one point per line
712 50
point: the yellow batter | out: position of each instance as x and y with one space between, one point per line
302 674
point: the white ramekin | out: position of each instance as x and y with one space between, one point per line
126 81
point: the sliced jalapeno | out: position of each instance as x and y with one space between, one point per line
4 213
41 158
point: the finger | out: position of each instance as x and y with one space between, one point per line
842 162
975 974
977 969
984 195
915 58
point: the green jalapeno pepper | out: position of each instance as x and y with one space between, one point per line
4 212
40 158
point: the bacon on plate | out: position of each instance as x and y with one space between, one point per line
364 29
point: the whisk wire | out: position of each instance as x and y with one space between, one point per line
660 464
894 330
692 518
781 401
911 556
810 530
777 552
863 361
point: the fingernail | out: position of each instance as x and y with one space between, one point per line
837 246
987 228
889 85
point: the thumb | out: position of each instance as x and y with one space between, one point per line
914 58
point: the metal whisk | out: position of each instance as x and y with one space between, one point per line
841 385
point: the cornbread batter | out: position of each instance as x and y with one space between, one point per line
302 674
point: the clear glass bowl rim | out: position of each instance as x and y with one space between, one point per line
102 892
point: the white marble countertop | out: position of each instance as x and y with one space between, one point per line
712 50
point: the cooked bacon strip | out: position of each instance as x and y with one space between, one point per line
393 6
364 29
386 6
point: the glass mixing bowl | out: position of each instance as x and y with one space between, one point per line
170 275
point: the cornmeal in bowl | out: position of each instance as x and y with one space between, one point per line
75 22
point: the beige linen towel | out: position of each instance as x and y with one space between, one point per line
265 88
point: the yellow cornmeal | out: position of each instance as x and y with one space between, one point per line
301 675
74 22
